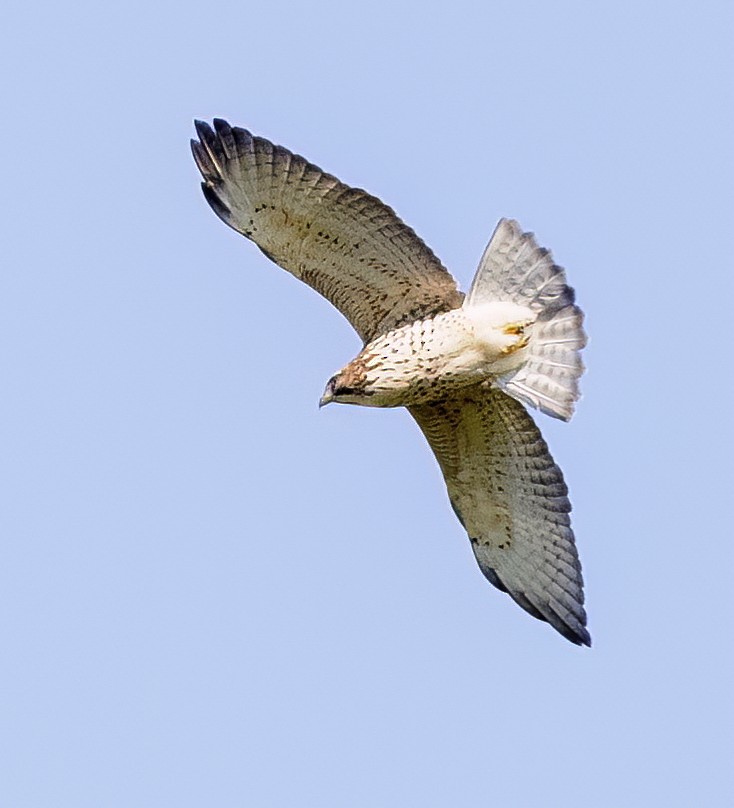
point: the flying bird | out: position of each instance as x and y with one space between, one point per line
463 365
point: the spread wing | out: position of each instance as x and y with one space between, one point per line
511 498
341 241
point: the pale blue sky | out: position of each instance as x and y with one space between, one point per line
212 594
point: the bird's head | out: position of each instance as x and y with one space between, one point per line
349 386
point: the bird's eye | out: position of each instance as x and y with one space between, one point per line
343 391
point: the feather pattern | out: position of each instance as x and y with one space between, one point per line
515 268
343 242
512 500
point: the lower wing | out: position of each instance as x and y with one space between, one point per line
511 498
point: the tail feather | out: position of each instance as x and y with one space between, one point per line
515 268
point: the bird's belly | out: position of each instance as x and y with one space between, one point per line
426 361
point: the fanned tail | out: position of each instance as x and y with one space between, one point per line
515 268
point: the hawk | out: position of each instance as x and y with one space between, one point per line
463 365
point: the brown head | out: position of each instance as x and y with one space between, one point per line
348 386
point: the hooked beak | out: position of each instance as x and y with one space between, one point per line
328 394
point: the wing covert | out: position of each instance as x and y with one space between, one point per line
512 500
341 241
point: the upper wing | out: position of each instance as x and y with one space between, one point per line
511 498
343 242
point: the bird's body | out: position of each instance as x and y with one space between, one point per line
432 358
462 365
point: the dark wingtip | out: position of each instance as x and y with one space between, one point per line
577 634
215 202
203 161
577 637
225 136
203 130
572 627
